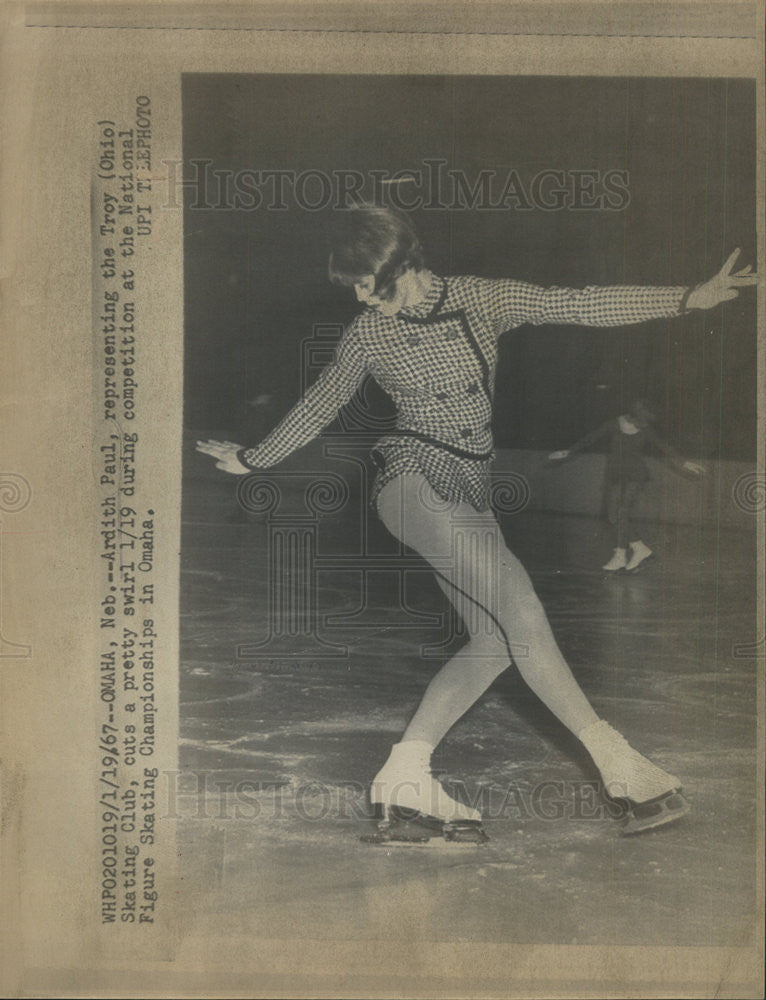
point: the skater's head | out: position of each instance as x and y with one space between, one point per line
641 413
376 251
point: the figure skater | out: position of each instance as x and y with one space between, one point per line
626 473
431 343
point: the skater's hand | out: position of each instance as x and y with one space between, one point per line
724 286
694 468
225 454
557 456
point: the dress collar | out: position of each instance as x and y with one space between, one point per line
430 304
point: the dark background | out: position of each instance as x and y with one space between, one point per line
255 281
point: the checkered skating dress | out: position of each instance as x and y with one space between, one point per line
437 361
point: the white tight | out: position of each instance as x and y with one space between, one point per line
494 596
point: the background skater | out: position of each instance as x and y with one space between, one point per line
431 343
626 474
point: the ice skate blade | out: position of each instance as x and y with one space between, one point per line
465 832
419 831
397 833
656 812
401 814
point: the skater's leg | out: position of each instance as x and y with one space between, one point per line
639 552
468 549
405 780
464 678
630 494
621 515
614 507
613 504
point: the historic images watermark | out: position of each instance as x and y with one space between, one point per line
749 496
15 496
206 795
295 562
749 492
430 186
294 502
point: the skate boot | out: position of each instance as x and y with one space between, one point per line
414 806
617 562
639 554
652 796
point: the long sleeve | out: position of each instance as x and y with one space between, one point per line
662 445
321 403
511 303
591 437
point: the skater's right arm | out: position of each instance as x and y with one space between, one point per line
320 405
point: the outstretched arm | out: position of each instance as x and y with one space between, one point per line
225 455
584 443
512 303
723 286
690 469
321 403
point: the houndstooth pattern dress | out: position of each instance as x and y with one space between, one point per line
437 361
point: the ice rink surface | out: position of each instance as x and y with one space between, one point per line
282 729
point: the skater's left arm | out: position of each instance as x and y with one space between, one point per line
512 303
583 444
723 286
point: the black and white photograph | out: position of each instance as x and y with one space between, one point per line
382 507
467 629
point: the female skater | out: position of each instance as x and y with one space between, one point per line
431 343
626 474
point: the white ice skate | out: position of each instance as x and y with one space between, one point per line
639 553
652 795
617 562
414 805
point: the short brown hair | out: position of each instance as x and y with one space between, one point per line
370 239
